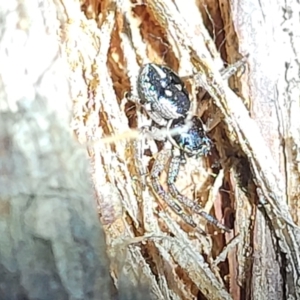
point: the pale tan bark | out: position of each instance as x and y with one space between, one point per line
255 189
51 243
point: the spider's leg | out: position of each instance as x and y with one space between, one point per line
176 160
226 73
232 69
155 133
157 168
155 116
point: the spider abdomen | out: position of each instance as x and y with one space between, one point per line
164 91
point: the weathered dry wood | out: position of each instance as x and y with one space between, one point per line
275 108
51 243
175 32
257 147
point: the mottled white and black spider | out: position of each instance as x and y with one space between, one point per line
162 94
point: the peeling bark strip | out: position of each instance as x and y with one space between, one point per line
52 245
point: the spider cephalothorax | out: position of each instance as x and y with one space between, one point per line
194 141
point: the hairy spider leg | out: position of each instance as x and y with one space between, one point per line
154 116
176 161
159 165
233 68
226 73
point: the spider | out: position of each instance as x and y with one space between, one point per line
162 94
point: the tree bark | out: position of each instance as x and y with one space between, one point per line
52 244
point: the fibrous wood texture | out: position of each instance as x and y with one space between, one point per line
251 181
51 244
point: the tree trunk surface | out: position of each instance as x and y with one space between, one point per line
78 216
